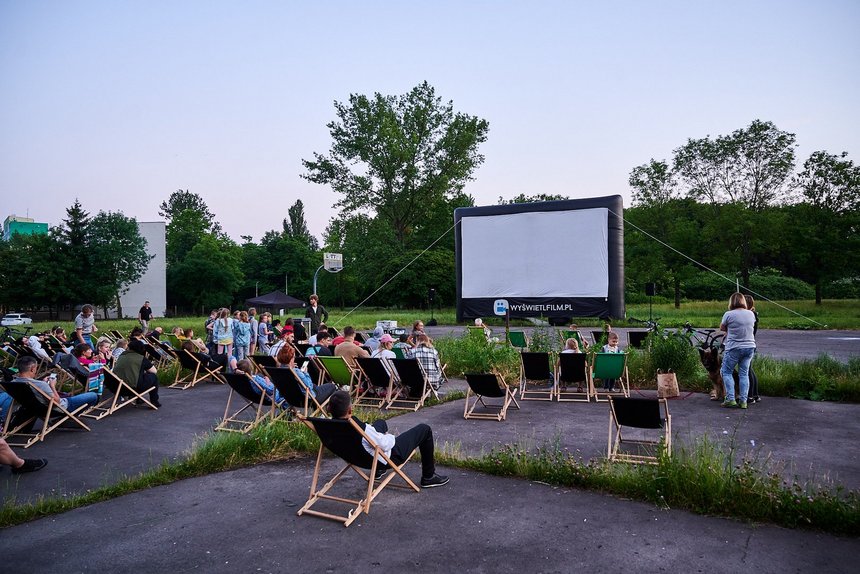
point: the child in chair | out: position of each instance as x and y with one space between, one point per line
611 346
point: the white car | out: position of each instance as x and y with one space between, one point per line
15 319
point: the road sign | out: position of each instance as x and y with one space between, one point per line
333 262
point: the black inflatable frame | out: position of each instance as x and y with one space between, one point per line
556 307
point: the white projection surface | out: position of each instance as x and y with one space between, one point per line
536 254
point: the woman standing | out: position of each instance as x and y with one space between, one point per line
242 336
222 333
738 323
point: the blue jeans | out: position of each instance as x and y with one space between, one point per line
89 341
740 358
81 399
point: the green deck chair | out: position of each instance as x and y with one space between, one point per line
567 334
518 339
338 370
610 366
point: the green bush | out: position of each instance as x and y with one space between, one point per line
820 379
467 354
708 287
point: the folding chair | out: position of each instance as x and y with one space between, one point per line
414 388
643 414
7 359
199 371
398 352
488 385
152 348
116 335
477 334
31 399
599 337
338 371
344 438
255 399
123 394
264 361
518 339
571 370
636 339
534 367
569 334
291 388
610 366
379 383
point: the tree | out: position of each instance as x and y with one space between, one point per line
396 156
73 259
653 183
297 228
749 168
183 199
523 198
118 256
826 244
210 275
183 232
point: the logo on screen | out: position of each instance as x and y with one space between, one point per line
500 306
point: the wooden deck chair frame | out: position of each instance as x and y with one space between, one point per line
573 369
28 398
343 438
122 395
199 372
412 379
7 359
531 369
518 339
606 366
639 413
264 361
339 371
488 385
255 398
379 387
293 391
116 335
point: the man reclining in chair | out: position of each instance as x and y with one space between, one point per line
27 367
396 448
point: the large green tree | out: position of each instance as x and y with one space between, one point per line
209 276
825 223
396 156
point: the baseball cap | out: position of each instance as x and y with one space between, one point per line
386 338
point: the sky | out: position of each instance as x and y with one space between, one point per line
120 103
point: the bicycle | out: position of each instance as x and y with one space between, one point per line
652 325
703 338
10 335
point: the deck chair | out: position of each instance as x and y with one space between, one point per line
116 335
610 366
599 337
152 348
293 391
30 398
7 359
571 370
199 371
477 334
343 437
518 339
636 339
122 395
264 361
534 368
488 385
414 388
256 409
567 334
338 371
379 383
398 352
646 415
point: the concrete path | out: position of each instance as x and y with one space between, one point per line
245 521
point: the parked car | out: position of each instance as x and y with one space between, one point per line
15 319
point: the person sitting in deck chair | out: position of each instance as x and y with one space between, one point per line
261 383
27 367
397 448
135 369
429 359
287 358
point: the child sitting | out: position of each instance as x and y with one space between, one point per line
611 346
571 346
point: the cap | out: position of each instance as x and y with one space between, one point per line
386 338
287 329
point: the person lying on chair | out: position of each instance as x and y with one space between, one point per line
397 448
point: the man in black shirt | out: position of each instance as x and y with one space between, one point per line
144 315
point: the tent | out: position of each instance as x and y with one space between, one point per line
276 300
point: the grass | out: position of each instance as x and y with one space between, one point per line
747 491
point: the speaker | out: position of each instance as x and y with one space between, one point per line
431 294
650 289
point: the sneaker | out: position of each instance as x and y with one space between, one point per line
729 404
381 472
433 481
30 465
742 405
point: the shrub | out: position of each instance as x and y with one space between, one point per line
708 287
467 354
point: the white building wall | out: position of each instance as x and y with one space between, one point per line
152 286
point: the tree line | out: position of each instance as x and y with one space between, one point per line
736 204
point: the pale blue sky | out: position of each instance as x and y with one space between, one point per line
120 103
